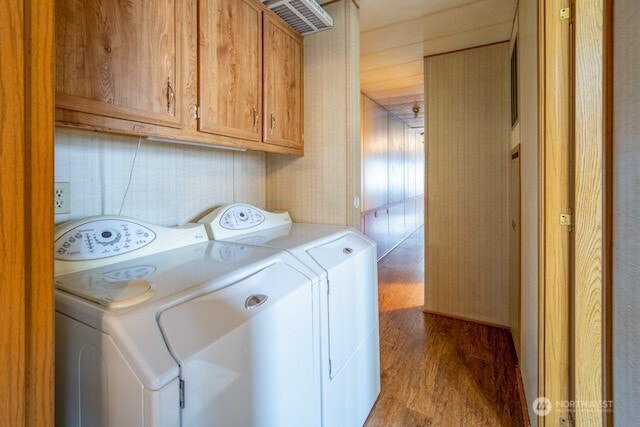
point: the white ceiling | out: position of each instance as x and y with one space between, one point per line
395 36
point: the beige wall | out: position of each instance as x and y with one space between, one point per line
528 137
171 184
626 212
468 138
320 187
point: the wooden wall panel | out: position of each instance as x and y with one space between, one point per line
467 178
320 187
410 162
375 181
626 211
395 159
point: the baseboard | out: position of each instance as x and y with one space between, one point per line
466 319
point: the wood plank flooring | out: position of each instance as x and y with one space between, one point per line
438 371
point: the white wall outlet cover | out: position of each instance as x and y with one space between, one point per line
61 198
356 202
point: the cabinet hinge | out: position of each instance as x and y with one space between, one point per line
181 387
567 421
196 112
566 219
329 367
328 288
565 13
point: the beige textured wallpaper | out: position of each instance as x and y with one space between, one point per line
319 187
171 184
626 211
468 138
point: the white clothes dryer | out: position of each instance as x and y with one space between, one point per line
345 262
159 326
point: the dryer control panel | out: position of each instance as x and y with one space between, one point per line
236 219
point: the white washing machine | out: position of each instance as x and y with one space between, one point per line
161 327
345 262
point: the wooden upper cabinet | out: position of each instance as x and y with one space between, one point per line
283 85
118 59
230 68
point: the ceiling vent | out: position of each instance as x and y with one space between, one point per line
306 16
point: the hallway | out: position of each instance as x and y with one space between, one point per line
437 371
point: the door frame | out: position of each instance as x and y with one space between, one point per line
515 151
575 280
554 122
26 127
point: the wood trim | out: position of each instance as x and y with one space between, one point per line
607 200
38 214
590 232
554 280
468 48
93 122
26 271
466 319
541 199
515 150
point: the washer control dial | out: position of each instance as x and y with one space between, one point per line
101 239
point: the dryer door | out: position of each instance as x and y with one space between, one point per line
246 352
350 263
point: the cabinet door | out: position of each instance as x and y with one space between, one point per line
282 85
119 59
230 68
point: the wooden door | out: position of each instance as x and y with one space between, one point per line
230 68
26 229
283 84
119 59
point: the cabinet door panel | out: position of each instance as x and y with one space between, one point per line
230 68
283 85
119 59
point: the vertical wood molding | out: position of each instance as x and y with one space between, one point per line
12 265
589 228
554 304
38 214
26 131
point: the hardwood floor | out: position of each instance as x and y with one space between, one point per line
438 371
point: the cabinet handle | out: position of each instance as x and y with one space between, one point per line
255 118
170 95
273 123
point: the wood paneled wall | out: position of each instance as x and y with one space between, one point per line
392 177
467 183
626 211
320 187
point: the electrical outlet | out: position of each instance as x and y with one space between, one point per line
61 198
